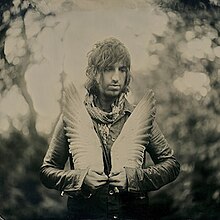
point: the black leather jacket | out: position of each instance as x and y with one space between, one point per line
105 203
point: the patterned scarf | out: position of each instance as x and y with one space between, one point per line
104 119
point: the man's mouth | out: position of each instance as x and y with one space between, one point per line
116 87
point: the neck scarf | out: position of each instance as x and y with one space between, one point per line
104 119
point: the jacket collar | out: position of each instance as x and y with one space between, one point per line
128 107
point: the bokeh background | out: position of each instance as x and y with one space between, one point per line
175 50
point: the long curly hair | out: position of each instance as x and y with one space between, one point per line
106 53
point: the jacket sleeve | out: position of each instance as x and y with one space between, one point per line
165 170
52 173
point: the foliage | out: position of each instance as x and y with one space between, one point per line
188 5
21 151
187 117
22 196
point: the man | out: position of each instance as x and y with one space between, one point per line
106 140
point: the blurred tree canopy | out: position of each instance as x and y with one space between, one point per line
21 151
188 108
185 74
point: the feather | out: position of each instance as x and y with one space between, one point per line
83 141
128 149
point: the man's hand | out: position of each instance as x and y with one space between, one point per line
94 179
118 179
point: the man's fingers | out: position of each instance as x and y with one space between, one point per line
100 172
117 184
96 184
114 173
100 183
117 178
97 176
114 179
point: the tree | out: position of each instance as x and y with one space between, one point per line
21 153
14 34
189 110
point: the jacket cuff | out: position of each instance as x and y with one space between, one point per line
75 182
132 179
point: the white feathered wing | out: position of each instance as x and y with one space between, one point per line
83 141
128 149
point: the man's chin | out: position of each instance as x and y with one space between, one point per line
113 94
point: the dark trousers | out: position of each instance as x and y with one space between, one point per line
103 205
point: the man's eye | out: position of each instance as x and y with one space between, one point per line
108 69
123 69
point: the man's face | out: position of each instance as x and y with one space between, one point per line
111 82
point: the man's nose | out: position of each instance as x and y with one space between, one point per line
115 75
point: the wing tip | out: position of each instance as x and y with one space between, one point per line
149 97
70 89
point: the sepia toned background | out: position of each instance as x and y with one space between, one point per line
175 50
